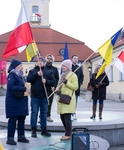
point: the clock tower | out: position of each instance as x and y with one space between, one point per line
37 12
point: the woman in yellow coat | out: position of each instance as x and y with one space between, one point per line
69 84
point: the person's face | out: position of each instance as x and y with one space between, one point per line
64 68
40 63
74 60
96 70
19 67
49 59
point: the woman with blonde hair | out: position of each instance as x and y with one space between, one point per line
99 92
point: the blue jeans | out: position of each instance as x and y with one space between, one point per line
36 104
76 100
95 102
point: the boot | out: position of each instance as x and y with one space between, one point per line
45 133
94 112
11 142
100 111
33 133
23 140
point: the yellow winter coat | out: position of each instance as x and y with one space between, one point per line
70 87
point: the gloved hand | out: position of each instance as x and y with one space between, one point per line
100 83
65 81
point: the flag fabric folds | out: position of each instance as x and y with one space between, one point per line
119 62
66 54
106 51
31 51
20 37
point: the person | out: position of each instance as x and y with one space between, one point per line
68 84
49 61
41 80
99 92
80 75
16 109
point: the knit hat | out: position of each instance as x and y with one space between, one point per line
41 58
67 63
14 64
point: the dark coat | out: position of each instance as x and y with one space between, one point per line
37 87
55 73
80 77
99 93
13 106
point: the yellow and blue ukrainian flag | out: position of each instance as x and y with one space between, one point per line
31 51
106 51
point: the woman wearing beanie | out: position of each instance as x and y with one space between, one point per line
16 107
68 84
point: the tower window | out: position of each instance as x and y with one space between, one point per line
35 16
34 9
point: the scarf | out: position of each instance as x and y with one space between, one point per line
17 72
63 77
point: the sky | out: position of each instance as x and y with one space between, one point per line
90 21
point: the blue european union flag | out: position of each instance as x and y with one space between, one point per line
66 55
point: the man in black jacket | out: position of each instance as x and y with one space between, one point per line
80 76
49 61
41 80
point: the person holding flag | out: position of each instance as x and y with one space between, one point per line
67 86
99 79
41 80
99 92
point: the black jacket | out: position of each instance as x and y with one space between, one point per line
54 71
37 87
99 93
80 77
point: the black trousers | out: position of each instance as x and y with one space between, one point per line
12 127
67 123
50 105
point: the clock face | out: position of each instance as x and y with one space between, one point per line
61 51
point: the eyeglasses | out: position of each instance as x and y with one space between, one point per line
49 58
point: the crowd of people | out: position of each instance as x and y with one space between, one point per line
46 81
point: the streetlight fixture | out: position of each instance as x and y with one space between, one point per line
90 69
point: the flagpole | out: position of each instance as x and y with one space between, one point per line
108 71
85 60
71 74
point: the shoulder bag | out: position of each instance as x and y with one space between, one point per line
90 87
66 99
18 94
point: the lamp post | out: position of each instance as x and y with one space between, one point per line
90 71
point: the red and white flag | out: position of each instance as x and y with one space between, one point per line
119 62
20 37
37 14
